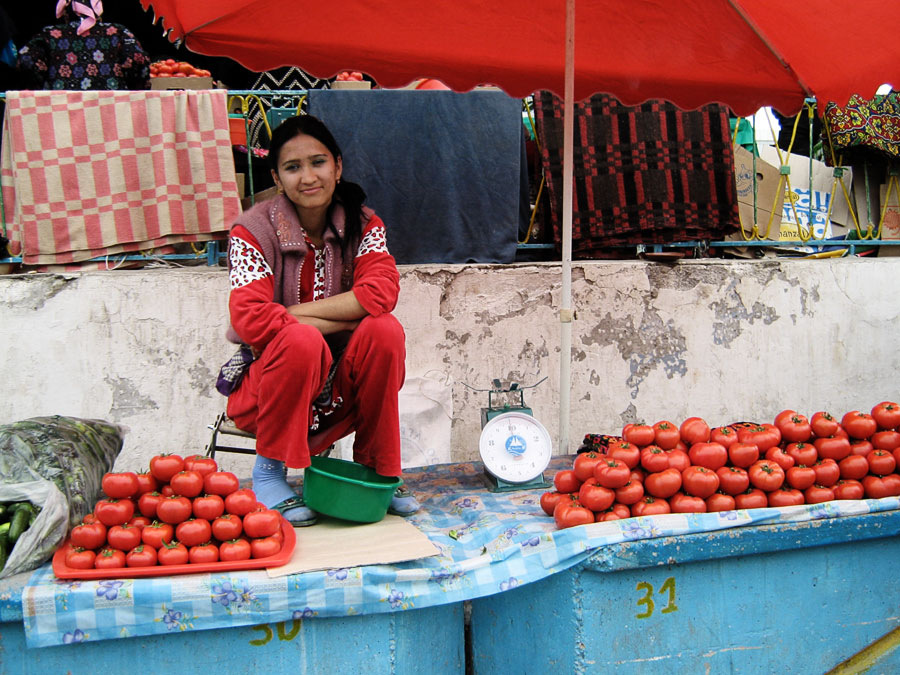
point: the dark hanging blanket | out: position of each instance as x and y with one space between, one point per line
649 174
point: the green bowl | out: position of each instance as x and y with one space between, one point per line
347 490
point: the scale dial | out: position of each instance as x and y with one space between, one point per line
515 447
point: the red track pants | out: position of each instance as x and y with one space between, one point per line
275 398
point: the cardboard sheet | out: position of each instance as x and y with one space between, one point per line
336 544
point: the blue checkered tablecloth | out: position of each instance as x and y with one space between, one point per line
488 542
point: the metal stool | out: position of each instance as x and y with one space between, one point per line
224 425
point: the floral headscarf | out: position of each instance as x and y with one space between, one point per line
88 10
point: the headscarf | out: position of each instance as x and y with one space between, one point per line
88 10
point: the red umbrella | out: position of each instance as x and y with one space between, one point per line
745 54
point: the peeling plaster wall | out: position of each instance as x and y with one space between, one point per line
726 340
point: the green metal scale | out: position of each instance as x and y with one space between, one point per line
515 447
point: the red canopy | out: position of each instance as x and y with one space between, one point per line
743 53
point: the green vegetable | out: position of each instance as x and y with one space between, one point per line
19 522
3 547
3 513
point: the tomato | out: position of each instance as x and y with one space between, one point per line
174 509
818 494
89 518
859 424
881 463
139 521
848 489
148 503
895 453
832 447
803 453
124 537
637 474
763 436
221 483
654 458
109 558
694 430
743 454
239 549
591 495
166 490
780 457
784 415
794 428
89 535
723 436
699 481
164 466
753 498
146 483
549 500
639 434
187 483
853 467
625 452
608 515
80 558
875 487
208 507
120 485
114 511
201 464
892 483
713 456
156 534
683 503
141 556
886 439
786 496
678 459
766 475
173 553
827 472
264 547
666 434
887 415
663 484
583 467
227 527
732 480
629 493
718 502
193 531
622 510
203 553
800 476
266 523
650 506
612 473
823 424
566 481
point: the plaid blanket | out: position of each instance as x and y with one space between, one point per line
94 173
649 174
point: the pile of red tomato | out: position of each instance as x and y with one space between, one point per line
349 76
173 68
181 511
692 468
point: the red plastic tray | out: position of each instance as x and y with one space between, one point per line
63 571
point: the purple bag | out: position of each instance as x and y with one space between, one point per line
231 374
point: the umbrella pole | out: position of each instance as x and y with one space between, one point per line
565 313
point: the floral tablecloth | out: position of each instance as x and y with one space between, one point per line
489 543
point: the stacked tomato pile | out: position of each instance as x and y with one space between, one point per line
183 510
173 68
348 76
692 468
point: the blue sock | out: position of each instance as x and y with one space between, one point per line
272 488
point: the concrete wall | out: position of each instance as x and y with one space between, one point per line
726 340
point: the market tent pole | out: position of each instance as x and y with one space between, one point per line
565 309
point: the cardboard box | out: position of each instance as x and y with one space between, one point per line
799 196
351 84
768 196
169 83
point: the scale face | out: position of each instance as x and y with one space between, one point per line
515 449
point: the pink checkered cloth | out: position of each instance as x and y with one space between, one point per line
93 173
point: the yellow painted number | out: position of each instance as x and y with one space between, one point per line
646 600
268 633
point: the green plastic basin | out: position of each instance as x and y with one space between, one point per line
347 490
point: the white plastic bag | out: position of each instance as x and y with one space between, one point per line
38 543
426 417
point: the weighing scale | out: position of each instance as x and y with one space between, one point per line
515 447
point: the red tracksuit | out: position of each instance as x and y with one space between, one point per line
276 399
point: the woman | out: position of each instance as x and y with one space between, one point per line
312 288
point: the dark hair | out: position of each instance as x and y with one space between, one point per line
349 195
